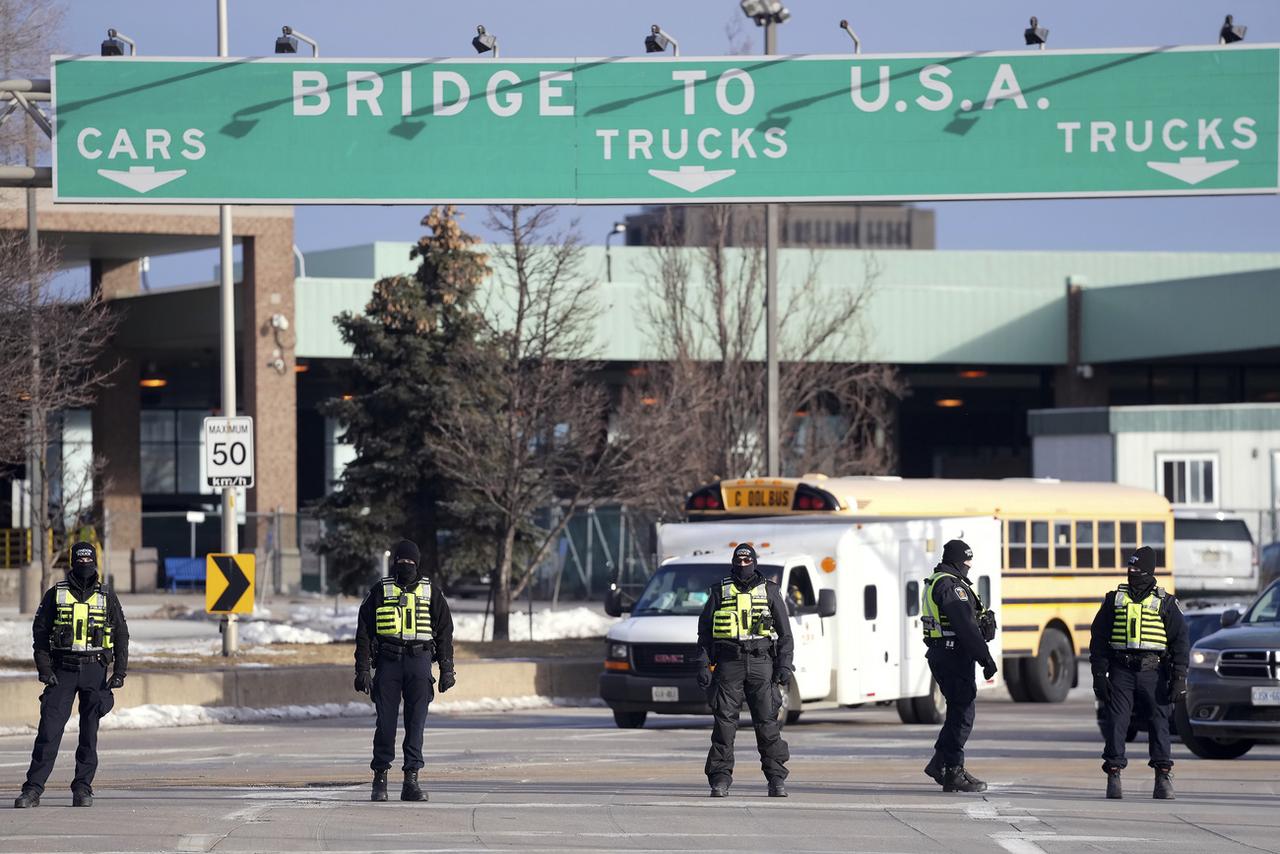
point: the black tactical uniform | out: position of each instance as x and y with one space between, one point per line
1138 652
404 625
78 630
745 634
957 627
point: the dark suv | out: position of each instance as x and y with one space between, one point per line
1233 688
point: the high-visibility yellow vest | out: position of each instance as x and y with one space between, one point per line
80 626
405 614
1137 624
935 623
743 615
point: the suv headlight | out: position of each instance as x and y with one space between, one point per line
1205 658
617 651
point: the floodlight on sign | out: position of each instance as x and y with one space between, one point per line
1036 34
287 41
485 41
857 42
765 11
115 42
1231 32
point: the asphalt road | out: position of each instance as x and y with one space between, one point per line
567 780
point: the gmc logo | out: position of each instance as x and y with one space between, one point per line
668 658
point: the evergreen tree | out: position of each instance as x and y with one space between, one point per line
408 348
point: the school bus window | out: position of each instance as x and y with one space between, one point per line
984 590
1153 535
913 598
1128 540
1107 545
1039 545
1084 545
1062 545
1017 542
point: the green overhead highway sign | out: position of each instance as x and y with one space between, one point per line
1163 121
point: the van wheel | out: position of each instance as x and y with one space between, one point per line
1207 748
1013 679
907 710
1048 676
629 720
932 707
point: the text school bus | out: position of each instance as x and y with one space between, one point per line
1063 547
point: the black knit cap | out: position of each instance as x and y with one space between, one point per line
956 552
406 550
84 554
744 550
1143 560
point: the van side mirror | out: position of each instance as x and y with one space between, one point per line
613 604
1230 618
826 603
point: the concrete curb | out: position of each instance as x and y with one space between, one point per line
266 687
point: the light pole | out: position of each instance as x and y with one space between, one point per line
857 43
1231 32
768 14
227 301
618 228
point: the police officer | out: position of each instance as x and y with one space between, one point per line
78 630
403 626
743 631
1139 650
957 627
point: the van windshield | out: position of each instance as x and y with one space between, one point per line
681 589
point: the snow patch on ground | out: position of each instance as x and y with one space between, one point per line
547 625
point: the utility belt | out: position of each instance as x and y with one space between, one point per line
743 649
941 643
396 650
1137 661
77 660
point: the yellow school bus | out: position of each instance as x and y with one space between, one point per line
1064 545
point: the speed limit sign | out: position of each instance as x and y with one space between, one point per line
228 451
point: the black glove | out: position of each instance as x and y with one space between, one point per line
362 681
704 677
1101 687
782 676
1177 688
116 681
447 680
49 678
989 668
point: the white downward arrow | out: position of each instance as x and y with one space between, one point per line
1193 170
692 178
142 178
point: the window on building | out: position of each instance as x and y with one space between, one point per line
170 451
1188 480
1084 545
1017 542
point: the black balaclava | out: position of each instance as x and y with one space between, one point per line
957 555
84 565
405 559
743 563
1142 572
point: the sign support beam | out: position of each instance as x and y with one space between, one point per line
772 429
230 532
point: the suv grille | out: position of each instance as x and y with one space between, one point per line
666 659
1250 664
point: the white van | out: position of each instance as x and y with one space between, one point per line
853 587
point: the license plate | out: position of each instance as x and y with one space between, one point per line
1265 696
666 695
748 498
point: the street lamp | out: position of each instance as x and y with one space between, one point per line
287 41
857 43
485 42
657 41
115 42
1231 32
1036 34
765 11
618 228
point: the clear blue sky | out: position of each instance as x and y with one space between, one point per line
424 28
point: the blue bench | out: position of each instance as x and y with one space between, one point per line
188 570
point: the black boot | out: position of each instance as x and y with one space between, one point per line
379 792
1164 785
777 789
29 798
934 768
82 797
411 791
956 779
1114 792
720 787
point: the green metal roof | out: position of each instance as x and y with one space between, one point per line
1217 418
971 307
